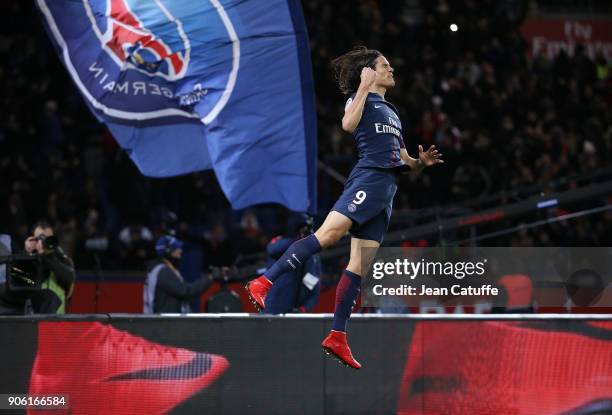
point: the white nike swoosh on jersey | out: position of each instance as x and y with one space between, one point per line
377 106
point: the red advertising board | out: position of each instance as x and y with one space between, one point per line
549 36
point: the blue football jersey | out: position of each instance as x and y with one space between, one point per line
379 134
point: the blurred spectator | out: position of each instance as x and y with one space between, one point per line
296 291
137 241
165 290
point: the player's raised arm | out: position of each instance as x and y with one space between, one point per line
426 158
354 110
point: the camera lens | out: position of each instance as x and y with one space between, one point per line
49 242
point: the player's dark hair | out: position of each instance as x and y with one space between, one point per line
348 67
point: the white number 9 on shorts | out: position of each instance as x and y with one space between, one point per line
359 197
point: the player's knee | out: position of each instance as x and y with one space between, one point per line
328 237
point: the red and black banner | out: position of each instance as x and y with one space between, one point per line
274 365
549 36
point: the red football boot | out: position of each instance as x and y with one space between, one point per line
108 371
502 368
257 289
335 345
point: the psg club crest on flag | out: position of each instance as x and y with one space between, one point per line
185 86
130 43
126 56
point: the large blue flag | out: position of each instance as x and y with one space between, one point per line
187 85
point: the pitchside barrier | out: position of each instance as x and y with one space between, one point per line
255 364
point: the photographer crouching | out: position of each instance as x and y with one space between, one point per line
58 273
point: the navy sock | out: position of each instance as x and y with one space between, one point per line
347 292
296 255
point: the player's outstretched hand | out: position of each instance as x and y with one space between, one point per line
430 157
368 76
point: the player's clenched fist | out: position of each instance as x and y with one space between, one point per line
368 76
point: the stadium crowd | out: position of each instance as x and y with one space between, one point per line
502 118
